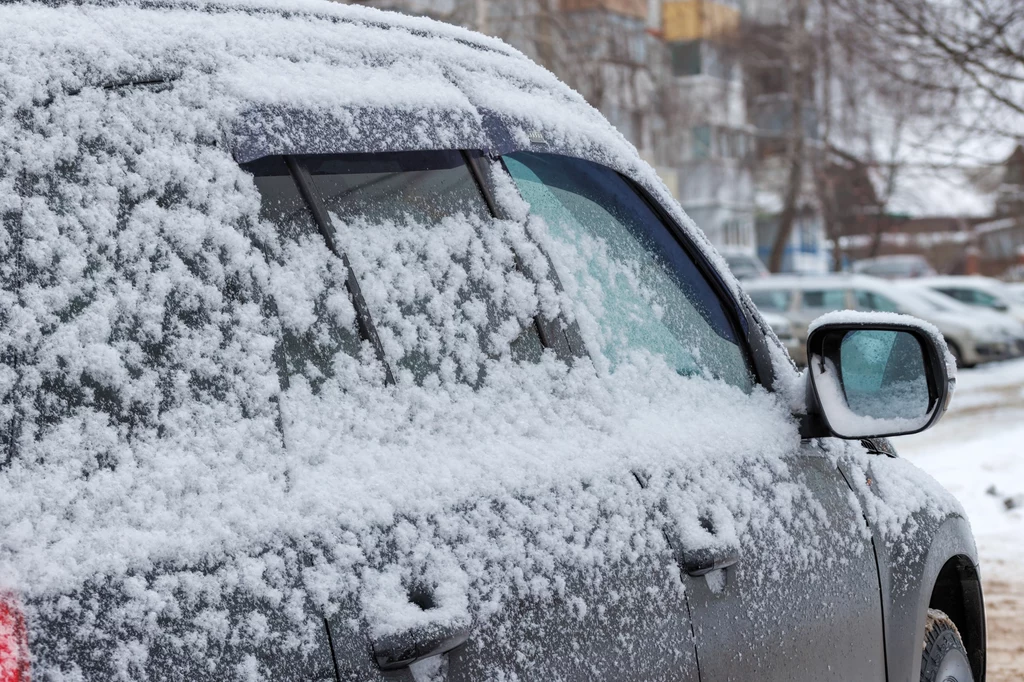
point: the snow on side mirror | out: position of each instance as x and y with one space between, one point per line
878 374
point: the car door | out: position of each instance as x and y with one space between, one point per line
802 601
790 590
610 622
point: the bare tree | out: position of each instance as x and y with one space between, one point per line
968 52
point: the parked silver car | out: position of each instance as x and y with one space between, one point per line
975 290
894 267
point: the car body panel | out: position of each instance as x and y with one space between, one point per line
908 568
810 605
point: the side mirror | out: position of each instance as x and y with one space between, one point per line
1001 307
875 375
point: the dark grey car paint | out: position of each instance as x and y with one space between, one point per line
908 570
784 617
661 645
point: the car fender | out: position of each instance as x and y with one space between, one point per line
907 580
912 547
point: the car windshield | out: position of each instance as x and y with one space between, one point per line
653 296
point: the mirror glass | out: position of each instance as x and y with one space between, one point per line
872 382
883 374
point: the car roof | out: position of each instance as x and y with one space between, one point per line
802 282
893 258
970 281
323 77
307 77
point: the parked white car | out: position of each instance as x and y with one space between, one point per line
972 338
983 292
998 324
894 267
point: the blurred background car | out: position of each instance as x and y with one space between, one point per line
894 267
745 265
982 292
973 335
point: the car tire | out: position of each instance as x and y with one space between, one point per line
944 658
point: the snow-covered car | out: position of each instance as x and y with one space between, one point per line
342 345
974 290
972 335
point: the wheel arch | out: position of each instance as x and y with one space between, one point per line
957 592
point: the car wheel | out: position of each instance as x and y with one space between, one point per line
944 658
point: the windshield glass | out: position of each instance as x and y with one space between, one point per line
648 293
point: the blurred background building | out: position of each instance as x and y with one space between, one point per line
773 125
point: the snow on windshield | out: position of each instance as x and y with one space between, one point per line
184 384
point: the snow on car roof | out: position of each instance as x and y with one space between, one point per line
150 431
977 281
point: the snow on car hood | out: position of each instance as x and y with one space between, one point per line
149 429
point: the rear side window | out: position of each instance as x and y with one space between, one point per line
312 303
824 299
651 294
962 295
772 300
436 273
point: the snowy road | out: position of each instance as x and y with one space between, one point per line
977 452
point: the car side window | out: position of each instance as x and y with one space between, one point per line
871 301
436 270
643 288
824 299
317 317
985 299
962 295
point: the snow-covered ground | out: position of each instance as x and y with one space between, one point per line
977 452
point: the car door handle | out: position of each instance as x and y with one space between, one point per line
402 650
701 561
